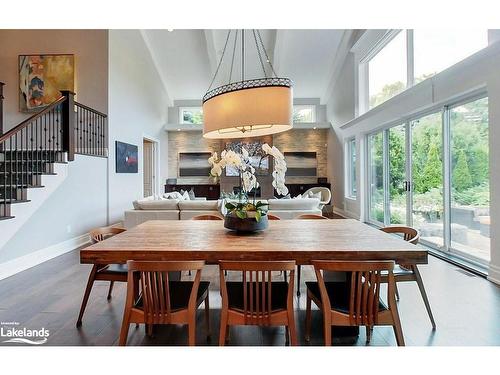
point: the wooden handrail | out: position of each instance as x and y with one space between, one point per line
91 109
31 119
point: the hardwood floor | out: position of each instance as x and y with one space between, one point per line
466 308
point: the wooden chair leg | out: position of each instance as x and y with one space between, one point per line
192 330
420 284
308 318
86 295
111 283
327 331
149 330
291 328
223 327
298 281
125 327
398 331
207 317
397 291
287 336
368 334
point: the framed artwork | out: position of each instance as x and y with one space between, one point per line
126 158
194 164
258 159
41 79
301 164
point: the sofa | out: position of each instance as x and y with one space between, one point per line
174 209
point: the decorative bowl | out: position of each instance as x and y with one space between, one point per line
246 225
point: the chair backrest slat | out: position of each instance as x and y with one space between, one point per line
155 286
257 287
100 234
311 216
409 234
364 287
207 217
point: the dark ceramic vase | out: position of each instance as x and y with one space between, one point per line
247 225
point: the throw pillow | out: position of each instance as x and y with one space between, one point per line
173 195
284 197
185 196
191 194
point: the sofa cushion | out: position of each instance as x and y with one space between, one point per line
163 204
136 217
198 205
146 199
294 204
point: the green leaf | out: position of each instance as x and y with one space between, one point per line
260 204
257 216
241 214
230 206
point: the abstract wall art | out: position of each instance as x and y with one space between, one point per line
126 158
41 79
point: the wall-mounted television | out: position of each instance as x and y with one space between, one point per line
301 164
194 164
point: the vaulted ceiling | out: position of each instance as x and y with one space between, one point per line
187 59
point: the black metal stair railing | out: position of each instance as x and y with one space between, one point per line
50 136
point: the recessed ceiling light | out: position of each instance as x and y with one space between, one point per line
170 30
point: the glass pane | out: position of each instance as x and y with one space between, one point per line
470 189
352 158
387 71
436 50
427 175
303 113
376 177
192 116
397 174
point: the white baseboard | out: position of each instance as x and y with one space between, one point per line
494 274
24 262
345 213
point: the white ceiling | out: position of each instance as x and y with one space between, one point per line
187 59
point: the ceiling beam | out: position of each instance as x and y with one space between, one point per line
154 58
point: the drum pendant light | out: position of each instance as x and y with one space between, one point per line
248 108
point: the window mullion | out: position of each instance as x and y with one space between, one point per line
385 160
446 178
410 59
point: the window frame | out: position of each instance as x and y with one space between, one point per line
364 60
306 106
351 187
190 108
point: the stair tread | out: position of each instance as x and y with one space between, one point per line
6 217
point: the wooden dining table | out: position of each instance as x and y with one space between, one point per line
298 240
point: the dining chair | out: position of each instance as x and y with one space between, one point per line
106 272
409 272
257 300
311 216
163 301
273 217
355 303
207 217
306 217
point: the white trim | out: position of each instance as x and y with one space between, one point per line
348 214
494 274
27 261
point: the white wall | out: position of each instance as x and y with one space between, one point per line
476 73
138 106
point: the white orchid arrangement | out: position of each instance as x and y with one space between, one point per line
230 158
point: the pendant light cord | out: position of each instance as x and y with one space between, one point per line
258 52
220 61
234 53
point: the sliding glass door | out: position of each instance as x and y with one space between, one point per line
426 184
432 173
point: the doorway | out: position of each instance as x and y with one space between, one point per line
150 167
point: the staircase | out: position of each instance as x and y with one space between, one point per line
54 135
